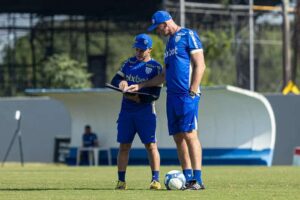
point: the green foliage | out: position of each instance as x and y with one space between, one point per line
225 2
216 44
120 49
158 49
62 72
269 62
219 58
220 55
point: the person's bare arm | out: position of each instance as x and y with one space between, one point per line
198 70
157 80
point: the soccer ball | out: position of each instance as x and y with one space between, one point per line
174 180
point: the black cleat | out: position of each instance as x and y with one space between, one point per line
194 185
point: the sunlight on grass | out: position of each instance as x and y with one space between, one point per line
49 181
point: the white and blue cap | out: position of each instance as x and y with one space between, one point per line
159 17
142 41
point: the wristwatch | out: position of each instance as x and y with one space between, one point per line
192 93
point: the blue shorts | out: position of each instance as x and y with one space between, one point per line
142 122
182 113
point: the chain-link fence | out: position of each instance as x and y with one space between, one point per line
27 40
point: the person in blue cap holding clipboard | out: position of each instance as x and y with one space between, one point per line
137 113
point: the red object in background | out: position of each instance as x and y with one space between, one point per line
297 151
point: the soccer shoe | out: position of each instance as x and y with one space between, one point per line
155 185
194 185
121 185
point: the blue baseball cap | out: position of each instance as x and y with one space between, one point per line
159 17
142 41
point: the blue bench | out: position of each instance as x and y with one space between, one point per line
211 156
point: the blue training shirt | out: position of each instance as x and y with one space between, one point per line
89 139
178 52
134 72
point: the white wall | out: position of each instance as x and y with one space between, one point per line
42 119
229 117
232 117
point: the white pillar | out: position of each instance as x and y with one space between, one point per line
182 13
251 46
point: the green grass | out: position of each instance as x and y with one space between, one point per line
60 182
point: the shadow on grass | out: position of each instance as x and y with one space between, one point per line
49 189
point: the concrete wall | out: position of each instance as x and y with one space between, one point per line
45 118
230 119
287 115
42 119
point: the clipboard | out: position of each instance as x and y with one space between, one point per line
110 86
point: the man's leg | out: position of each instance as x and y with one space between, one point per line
194 148
122 164
195 152
154 160
123 156
183 156
153 156
182 151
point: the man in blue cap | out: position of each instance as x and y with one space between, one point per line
183 71
137 113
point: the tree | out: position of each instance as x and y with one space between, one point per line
158 49
60 71
219 58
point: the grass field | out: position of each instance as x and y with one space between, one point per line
36 181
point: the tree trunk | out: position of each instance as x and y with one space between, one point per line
296 42
287 72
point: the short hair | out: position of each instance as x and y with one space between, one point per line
87 127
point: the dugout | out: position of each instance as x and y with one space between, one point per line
237 126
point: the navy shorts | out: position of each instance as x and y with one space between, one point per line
142 122
182 113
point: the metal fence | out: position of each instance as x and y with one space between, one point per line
26 40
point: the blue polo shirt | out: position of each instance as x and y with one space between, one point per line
89 139
178 52
134 72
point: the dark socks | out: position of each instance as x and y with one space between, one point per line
155 175
188 173
197 176
121 175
